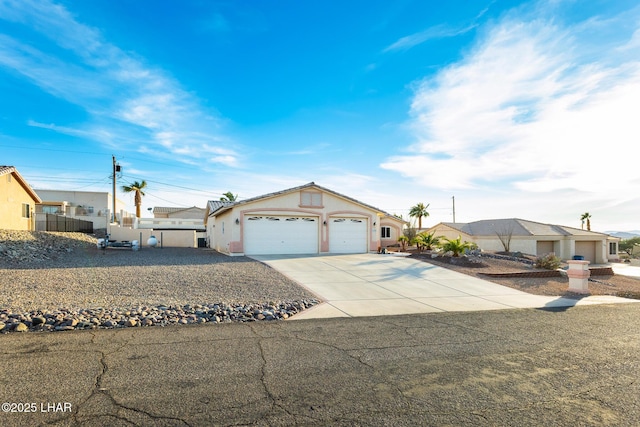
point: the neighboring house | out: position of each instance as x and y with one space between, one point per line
17 201
309 219
184 213
170 218
533 238
91 206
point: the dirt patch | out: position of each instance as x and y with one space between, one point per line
495 270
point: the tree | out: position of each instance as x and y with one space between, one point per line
410 233
229 197
403 240
457 246
427 241
586 217
136 188
419 211
628 245
505 234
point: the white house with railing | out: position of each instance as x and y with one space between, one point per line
94 206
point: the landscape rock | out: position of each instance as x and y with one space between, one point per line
20 327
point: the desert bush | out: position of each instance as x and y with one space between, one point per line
548 262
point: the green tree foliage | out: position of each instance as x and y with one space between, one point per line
403 240
419 211
586 217
426 241
457 246
137 188
229 197
628 245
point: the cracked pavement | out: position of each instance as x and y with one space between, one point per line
576 366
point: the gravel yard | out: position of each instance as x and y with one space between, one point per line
40 276
617 285
92 277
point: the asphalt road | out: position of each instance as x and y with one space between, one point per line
572 366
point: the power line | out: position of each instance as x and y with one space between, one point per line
173 185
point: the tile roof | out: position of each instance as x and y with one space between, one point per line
166 209
4 170
214 207
519 227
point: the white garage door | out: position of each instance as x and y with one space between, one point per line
347 236
265 235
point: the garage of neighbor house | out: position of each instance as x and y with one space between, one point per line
309 219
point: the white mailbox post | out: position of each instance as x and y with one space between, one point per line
578 276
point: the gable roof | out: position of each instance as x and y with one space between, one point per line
518 227
5 170
216 206
166 209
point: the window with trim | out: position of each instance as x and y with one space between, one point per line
385 232
26 210
308 198
613 248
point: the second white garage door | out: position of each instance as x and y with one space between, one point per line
347 236
264 235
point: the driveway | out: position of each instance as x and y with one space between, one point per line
375 285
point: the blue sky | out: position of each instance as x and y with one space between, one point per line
518 109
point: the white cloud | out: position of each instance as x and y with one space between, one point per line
137 103
431 33
526 108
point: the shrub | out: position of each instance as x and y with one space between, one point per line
457 246
548 262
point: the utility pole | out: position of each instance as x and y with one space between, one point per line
454 208
116 168
113 195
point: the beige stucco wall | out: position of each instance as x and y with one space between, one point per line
12 196
396 231
227 236
168 238
564 246
191 213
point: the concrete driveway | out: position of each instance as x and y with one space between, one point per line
375 285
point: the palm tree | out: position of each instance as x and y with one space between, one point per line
403 240
586 217
136 188
427 240
457 246
419 211
229 197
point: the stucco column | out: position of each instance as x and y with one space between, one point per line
578 276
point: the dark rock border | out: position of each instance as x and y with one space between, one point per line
104 318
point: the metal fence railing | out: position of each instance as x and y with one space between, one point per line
50 222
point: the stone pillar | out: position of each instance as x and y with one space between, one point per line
578 276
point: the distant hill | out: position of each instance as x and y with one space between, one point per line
624 234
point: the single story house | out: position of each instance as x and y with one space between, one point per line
17 201
308 219
175 212
533 238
